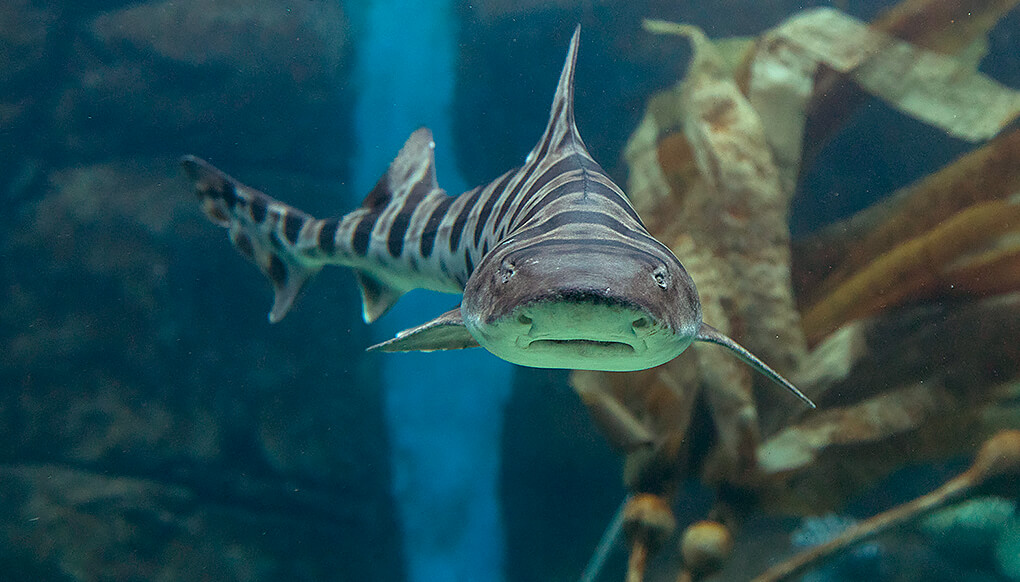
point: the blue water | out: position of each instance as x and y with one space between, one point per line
444 410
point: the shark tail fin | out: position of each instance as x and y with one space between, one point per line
711 335
264 230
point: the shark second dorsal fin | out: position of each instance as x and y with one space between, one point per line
410 177
446 332
411 173
707 333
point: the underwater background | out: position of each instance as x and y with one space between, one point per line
156 427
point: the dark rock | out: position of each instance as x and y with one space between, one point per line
69 524
135 347
237 81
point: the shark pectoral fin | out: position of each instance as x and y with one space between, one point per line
709 334
446 332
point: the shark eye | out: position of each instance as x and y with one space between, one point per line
661 277
506 271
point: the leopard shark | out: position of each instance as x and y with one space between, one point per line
555 266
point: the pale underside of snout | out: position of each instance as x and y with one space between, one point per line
580 336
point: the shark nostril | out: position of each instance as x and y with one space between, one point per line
640 323
523 319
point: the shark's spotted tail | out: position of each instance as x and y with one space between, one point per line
406 234
262 229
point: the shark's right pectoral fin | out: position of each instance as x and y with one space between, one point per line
446 332
709 334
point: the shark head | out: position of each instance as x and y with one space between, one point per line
591 307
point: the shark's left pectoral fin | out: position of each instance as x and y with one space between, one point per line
446 332
709 334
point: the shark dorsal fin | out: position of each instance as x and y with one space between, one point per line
412 172
561 116
446 332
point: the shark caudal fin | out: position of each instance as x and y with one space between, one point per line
709 334
262 229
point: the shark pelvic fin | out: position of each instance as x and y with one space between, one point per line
711 335
446 332
376 296
255 222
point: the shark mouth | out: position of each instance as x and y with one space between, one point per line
583 346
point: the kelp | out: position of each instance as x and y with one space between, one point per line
828 257
931 265
733 237
929 86
714 166
956 232
949 27
995 470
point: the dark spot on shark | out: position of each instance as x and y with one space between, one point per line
244 246
292 226
229 194
258 209
274 239
277 271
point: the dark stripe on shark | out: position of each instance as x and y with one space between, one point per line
487 208
536 162
584 217
507 203
327 235
580 184
363 233
620 246
395 239
461 221
554 171
428 236
419 191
